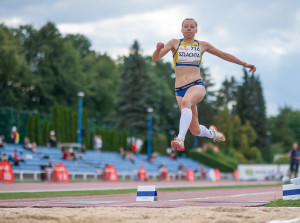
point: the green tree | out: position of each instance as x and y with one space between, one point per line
223 121
80 43
251 107
236 131
284 128
55 64
15 76
227 93
37 129
30 127
134 94
100 84
45 132
168 113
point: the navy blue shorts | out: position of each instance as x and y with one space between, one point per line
180 91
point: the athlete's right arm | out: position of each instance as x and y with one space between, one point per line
162 49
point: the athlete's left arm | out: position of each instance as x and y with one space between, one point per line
226 56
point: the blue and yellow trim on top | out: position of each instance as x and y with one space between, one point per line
190 51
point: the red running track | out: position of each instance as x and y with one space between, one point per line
241 197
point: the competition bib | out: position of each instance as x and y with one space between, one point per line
188 55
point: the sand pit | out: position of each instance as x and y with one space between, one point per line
135 215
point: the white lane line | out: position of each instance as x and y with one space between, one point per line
221 196
285 221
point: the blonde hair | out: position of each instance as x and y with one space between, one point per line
189 19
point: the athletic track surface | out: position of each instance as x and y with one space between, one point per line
241 197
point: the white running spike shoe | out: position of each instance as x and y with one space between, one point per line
218 136
178 144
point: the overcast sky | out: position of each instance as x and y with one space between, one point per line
265 33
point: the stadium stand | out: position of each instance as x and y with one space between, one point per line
90 165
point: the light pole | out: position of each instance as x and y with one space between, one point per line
149 110
80 96
195 142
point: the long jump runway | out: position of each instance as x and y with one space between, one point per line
240 197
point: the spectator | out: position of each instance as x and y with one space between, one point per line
49 170
201 171
72 155
82 149
50 165
14 135
4 157
0 157
122 153
163 172
173 155
2 141
97 143
65 154
22 157
29 146
52 139
128 156
294 160
152 157
15 158
181 171
134 149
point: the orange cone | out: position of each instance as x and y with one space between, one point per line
142 174
218 175
190 175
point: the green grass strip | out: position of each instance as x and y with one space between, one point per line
282 203
19 195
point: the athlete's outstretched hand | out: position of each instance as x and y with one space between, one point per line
252 68
159 46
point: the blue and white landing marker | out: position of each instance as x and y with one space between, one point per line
291 191
146 193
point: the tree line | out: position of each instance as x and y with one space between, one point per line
40 68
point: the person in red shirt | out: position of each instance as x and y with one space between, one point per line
14 135
16 158
65 154
134 149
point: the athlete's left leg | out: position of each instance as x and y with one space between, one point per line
197 129
193 95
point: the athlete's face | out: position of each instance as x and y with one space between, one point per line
189 28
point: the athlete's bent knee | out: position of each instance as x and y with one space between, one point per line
185 104
195 132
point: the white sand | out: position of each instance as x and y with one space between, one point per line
136 215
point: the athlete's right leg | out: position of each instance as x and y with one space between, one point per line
178 142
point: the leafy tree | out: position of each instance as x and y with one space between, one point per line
55 65
37 129
293 121
134 94
224 122
45 132
251 107
284 128
227 93
30 127
161 74
15 75
100 86
80 43
236 131
206 109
